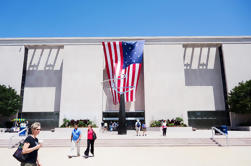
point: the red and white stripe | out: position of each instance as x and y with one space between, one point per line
114 66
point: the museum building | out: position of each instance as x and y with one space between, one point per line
187 77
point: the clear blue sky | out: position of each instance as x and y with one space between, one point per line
114 18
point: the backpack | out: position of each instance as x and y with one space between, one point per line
94 136
138 124
18 153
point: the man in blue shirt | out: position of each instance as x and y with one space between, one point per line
75 139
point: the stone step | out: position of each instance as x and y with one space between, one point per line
145 142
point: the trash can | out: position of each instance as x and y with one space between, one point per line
224 129
22 126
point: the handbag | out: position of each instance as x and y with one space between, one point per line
18 153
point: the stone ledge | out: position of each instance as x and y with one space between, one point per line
83 129
170 129
241 128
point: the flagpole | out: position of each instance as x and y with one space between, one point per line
122 116
122 62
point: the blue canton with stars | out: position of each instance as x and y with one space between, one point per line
132 53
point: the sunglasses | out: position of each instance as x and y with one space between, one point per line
38 129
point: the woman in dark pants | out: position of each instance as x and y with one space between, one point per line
164 128
90 141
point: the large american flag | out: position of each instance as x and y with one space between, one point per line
123 64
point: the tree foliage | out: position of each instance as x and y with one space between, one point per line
10 101
239 98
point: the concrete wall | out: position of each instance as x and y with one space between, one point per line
164 82
203 80
42 91
81 83
237 58
180 79
11 66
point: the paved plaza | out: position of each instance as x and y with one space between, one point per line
147 156
124 156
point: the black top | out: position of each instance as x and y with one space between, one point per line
31 157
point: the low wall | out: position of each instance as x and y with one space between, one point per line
241 128
207 119
48 120
69 130
4 119
240 119
170 129
83 130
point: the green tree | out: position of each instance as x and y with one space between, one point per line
10 101
239 98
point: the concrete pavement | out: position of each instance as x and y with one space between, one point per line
147 156
124 156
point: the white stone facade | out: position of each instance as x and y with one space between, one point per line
179 74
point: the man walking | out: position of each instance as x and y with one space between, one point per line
75 141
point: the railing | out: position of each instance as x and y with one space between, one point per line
222 133
17 134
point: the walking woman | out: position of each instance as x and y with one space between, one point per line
31 147
91 136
